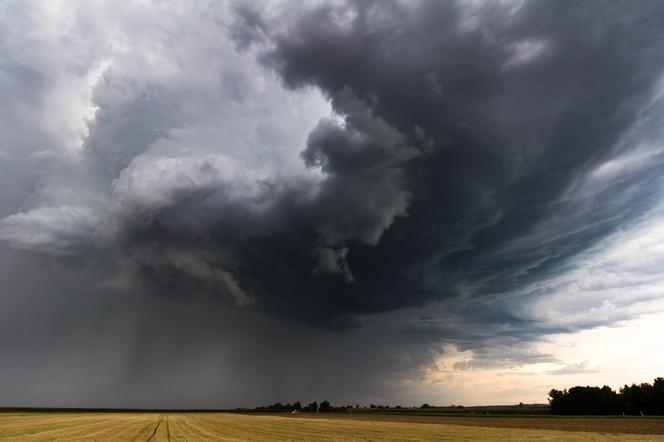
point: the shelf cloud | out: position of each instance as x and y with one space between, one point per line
247 199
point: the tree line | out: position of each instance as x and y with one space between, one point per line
639 400
325 406
314 406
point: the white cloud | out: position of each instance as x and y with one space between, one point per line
619 279
151 183
136 103
525 51
332 260
56 230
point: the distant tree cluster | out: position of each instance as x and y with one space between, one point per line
324 406
426 406
378 406
643 399
279 407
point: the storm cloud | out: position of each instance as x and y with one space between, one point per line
245 194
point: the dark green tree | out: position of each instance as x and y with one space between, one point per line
658 396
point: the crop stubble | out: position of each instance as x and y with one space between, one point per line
232 427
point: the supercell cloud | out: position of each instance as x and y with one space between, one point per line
242 200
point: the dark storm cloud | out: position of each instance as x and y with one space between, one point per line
465 129
476 154
144 348
461 131
193 220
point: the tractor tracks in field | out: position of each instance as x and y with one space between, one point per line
163 419
168 429
154 432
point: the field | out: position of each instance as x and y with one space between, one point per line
117 426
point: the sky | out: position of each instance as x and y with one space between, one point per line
233 203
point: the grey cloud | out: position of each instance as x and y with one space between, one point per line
474 157
334 261
363 159
574 368
428 169
436 212
506 103
127 349
62 230
503 357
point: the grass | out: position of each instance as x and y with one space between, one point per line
178 426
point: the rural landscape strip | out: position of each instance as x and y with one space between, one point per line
147 426
592 424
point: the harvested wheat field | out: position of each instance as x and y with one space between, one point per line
225 426
604 424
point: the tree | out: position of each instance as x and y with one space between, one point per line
584 400
658 396
641 399
278 406
638 399
324 406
